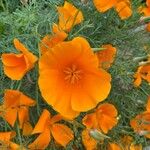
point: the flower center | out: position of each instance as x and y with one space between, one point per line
72 74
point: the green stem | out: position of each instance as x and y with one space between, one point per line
19 134
98 49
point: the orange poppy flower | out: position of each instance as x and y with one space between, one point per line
74 67
16 105
106 56
143 72
17 65
146 10
69 16
140 124
47 126
104 5
123 8
89 142
104 118
50 41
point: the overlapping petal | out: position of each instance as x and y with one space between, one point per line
74 67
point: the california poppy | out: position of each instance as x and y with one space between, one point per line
106 56
69 16
17 65
15 106
141 122
50 41
146 10
74 67
46 127
104 118
143 72
104 5
123 7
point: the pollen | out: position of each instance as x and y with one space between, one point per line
72 74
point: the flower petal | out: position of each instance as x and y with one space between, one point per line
23 116
42 122
104 5
106 56
62 134
90 121
13 60
89 142
27 129
69 16
20 47
42 141
10 116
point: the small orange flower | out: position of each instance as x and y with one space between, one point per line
104 5
104 118
141 123
50 41
146 10
74 67
17 65
69 16
106 56
16 105
143 72
48 126
123 7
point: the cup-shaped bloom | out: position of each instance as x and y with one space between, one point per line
69 16
70 79
17 65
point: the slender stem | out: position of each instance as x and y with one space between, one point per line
98 49
19 134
